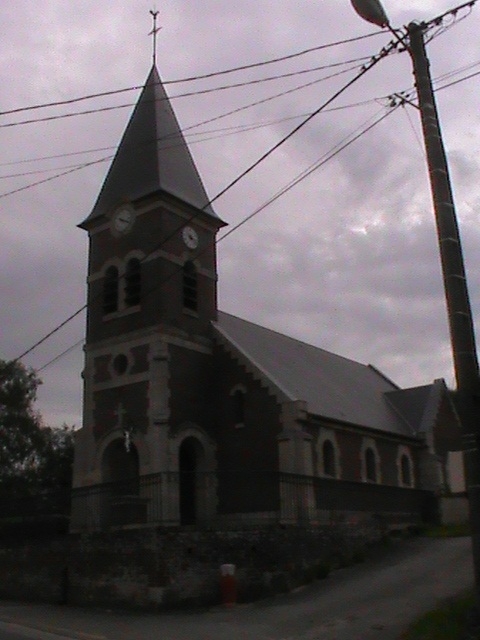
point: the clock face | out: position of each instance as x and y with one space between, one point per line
190 237
123 219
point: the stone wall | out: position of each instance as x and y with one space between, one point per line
454 509
159 568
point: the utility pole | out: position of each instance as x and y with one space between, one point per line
454 280
462 333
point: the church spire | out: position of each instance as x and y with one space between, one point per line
152 157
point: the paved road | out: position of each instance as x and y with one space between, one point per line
372 601
10 631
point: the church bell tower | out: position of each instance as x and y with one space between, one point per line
151 299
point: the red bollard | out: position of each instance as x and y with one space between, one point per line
228 584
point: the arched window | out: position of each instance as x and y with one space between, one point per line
190 286
370 465
110 290
239 406
328 458
406 471
133 282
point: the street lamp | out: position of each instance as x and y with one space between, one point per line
371 11
462 335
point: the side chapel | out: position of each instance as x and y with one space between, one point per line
193 416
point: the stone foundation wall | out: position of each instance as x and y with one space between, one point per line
454 509
158 568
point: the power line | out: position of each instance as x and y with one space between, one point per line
188 136
208 135
452 84
63 116
215 118
248 126
346 142
61 355
391 47
75 168
227 130
190 79
54 177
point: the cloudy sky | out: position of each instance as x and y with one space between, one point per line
346 260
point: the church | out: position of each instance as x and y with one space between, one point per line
196 418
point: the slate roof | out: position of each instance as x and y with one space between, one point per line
333 387
152 156
419 405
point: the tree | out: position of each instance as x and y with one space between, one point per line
20 426
54 470
32 457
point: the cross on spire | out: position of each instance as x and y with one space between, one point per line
153 33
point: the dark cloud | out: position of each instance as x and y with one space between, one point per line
347 260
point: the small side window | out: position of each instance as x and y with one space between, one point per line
328 457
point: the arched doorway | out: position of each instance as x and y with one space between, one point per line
120 473
120 466
190 461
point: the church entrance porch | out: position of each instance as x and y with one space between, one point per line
122 503
190 497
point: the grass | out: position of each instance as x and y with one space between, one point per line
445 623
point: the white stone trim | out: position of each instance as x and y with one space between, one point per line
134 253
369 443
191 430
122 381
238 387
139 338
111 369
115 261
169 208
138 440
206 498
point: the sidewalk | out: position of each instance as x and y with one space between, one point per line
374 600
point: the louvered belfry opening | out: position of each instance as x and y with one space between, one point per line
110 290
133 282
190 286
